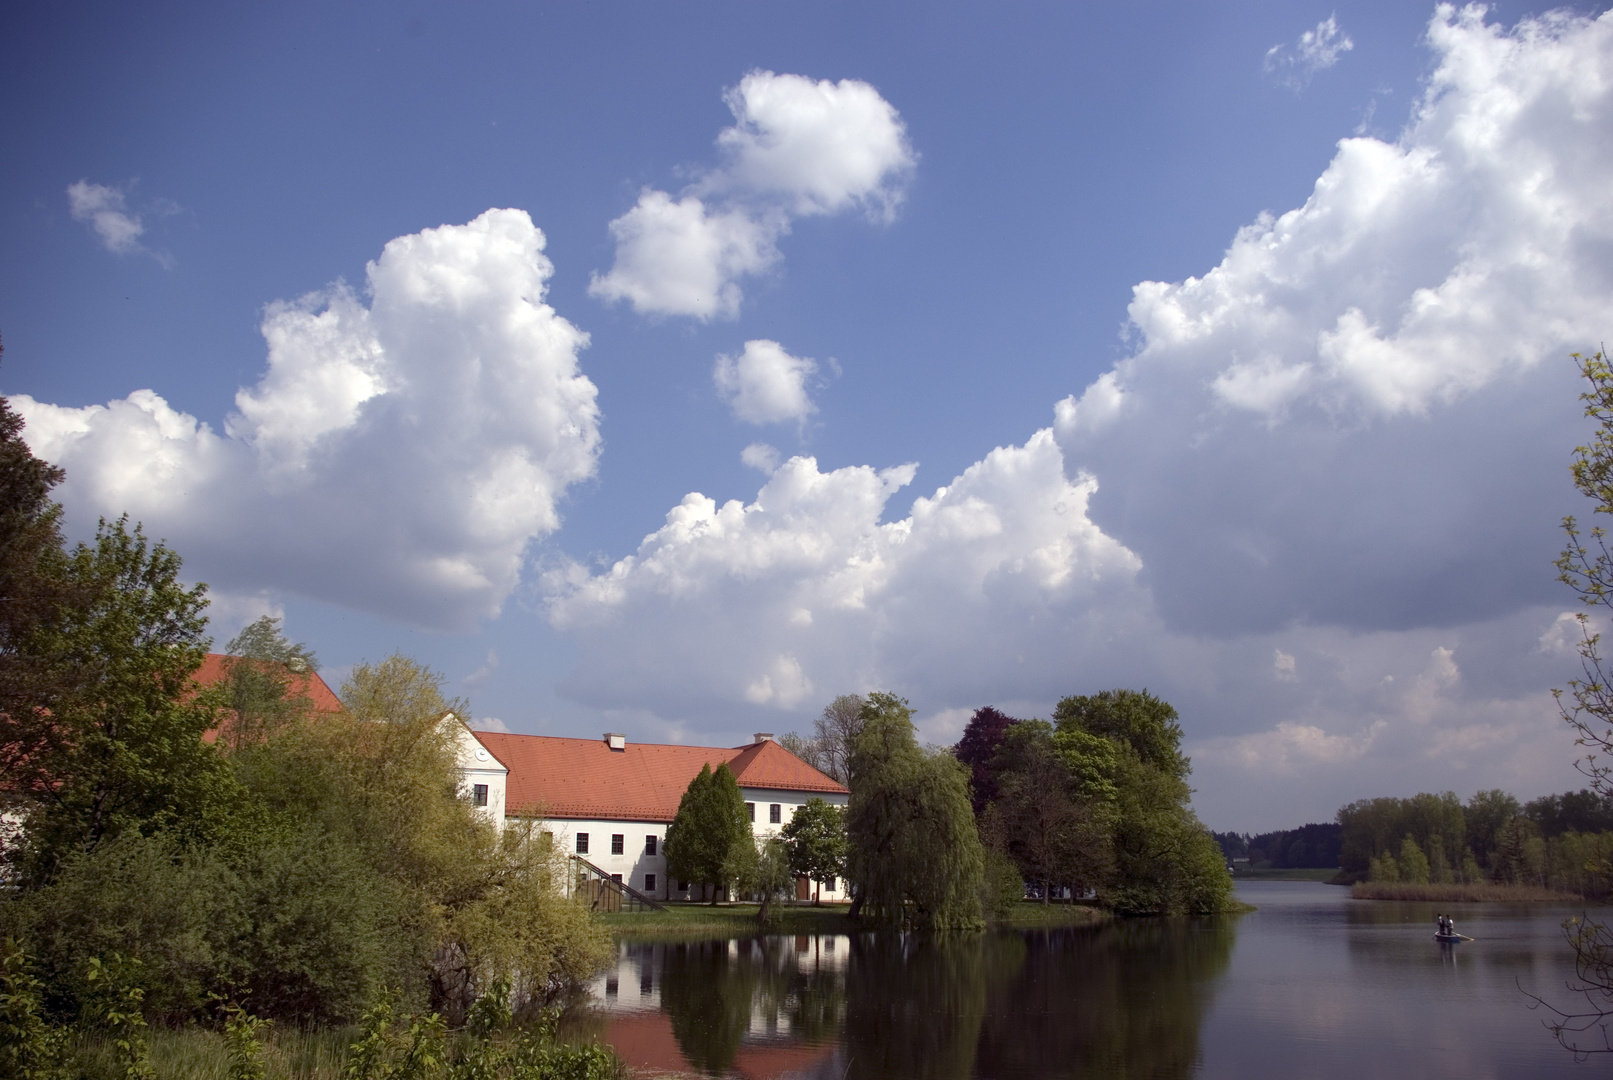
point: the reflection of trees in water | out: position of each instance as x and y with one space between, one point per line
1125 1000
915 1003
712 992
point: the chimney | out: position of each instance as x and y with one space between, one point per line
615 740
763 736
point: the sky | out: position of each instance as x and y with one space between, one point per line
672 369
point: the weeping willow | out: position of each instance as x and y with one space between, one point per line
915 851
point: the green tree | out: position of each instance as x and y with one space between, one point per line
915 853
1412 862
1040 818
1124 748
121 747
703 843
265 680
764 874
815 841
33 589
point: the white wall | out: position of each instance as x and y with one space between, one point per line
478 766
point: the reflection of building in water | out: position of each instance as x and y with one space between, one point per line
768 1007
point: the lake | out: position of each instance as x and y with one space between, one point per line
1312 985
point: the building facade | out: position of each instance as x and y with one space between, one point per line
610 801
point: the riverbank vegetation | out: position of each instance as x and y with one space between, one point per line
1476 892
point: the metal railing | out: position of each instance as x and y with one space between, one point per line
605 893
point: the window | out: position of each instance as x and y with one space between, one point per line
829 886
616 878
649 883
775 813
617 845
478 794
649 845
582 843
750 809
683 886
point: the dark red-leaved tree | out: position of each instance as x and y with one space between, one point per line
981 738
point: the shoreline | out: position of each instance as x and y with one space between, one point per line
696 922
1471 893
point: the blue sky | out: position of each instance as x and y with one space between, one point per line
1306 487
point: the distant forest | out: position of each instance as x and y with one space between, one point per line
1316 846
1307 847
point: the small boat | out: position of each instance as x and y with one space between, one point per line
1451 939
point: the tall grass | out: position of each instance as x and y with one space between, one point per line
1471 893
195 1054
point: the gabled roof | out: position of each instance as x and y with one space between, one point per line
308 684
585 778
215 671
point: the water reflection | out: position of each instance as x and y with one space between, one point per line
1123 1000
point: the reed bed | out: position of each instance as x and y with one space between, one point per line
1477 892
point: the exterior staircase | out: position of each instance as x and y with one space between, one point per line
605 893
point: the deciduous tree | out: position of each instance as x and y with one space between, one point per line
703 841
916 856
978 750
815 841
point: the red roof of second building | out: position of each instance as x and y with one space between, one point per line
216 670
585 778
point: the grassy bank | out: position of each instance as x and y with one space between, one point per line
695 922
1283 875
1475 893
700 921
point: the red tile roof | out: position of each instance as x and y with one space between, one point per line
308 684
585 778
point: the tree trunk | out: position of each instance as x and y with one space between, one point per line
1047 889
856 902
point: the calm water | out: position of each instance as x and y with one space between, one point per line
1311 985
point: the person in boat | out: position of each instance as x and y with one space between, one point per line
1440 925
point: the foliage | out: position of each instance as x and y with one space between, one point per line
982 737
116 1005
815 841
1134 718
120 748
1002 885
244 1043
1041 817
710 836
915 853
765 875
265 692
1311 846
30 1048
1123 747
33 587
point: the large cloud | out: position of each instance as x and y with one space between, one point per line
797 148
396 457
1315 506
1363 415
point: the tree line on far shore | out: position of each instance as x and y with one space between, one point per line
1562 842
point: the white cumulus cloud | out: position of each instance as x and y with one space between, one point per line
1314 507
797 148
399 454
1361 415
807 592
1293 63
764 384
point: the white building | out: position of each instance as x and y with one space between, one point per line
610 801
